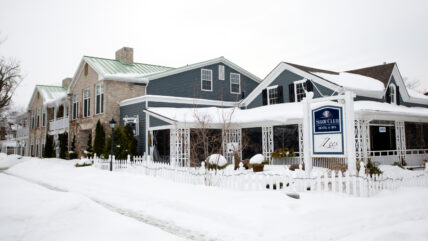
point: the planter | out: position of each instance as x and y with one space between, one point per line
258 168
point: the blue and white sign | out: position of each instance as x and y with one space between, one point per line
327 131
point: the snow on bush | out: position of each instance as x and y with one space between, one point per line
83 162
396 171
257 159
217 159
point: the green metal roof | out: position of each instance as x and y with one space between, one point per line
110 67
51 93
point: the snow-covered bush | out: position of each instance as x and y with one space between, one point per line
83 162
216 161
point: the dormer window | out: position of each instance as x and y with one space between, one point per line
392 94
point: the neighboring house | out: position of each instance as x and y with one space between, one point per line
97 88
22 134
391 121
216 82
47 112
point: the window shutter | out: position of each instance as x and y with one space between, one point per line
291 92
280 94
309 86
397 94
242 95
388 96
264 96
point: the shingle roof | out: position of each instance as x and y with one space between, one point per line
380 72
110 67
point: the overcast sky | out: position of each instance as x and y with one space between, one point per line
50 37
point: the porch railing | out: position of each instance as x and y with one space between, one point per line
413 157
59 124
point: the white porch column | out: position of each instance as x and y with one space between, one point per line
232 136
267 138
400 139
350 131
361 139
307 127
180 147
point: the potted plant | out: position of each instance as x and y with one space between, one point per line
258 162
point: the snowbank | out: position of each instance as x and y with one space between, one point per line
257 159
7 161
234 215
397 172
31 212
217 159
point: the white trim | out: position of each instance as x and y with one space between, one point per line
239 83
281 67
202 80
160 117
393 99
202 64
179 100
166 127
299 82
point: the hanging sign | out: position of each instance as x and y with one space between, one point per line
327 131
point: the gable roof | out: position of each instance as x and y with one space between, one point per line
380 72
202 64
311 70
50 94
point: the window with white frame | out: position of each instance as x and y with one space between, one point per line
299 90
75 106
392 94
43 118
38 118
272 95
221 73
206 79
133 122
99 99
235 83
86 103
32 119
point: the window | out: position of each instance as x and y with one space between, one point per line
206 79
37 147
32 148
32 119
86 103
392 94
273 95
299 90
75 106
221 73
133 122
43 118
38 118
99 99
43 147
86 69
235 83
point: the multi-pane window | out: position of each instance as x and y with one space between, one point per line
392 94
207 79
43 118
75 106
86 103
221 73
235 83
32 119
273 95
299 91
99 99
37 147
32 147
38 118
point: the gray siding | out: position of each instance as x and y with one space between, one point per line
136 109
285 79
188 84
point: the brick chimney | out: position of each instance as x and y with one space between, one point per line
66 82
125 55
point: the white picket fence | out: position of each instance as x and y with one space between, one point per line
246 180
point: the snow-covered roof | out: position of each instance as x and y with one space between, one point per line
285 113
51 95
415 94
354 82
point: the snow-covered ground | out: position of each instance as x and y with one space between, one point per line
31 212
7 161
217 214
